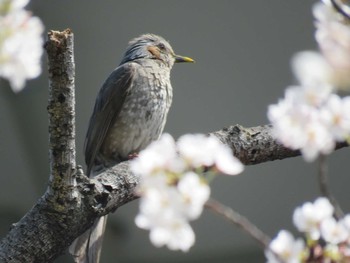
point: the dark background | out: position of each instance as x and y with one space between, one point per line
242 51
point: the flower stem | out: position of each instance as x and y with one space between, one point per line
324 185
240 221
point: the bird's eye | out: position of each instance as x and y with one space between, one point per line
161 46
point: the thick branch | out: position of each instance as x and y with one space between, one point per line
47 230
61 110
256 145
109 190
31 239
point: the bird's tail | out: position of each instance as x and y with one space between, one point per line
87 247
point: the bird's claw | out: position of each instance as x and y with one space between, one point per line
133 156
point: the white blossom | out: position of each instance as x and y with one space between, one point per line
159 213
200 150
172 192
313 97
333 37
10 6
287 249
288 123
334 232
158 206
21 43
166 209
226 163
159 155
297 121
318 140
335 114
194 193
311 69
346 221
309 216
177 234
310 117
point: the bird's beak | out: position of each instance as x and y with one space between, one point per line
179 59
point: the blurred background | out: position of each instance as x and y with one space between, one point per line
242 51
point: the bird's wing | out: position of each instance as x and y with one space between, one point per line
107 107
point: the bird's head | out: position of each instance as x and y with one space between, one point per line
150 46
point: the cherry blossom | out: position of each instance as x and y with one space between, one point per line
285 248
21 43
172 189
200 150
309 216
334 232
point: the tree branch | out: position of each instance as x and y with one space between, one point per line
73 201
61 110
256 145
32 238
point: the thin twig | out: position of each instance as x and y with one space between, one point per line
341 8
322 176
240 221
324 185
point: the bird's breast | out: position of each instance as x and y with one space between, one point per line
142 116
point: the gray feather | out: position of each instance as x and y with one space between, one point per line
107 107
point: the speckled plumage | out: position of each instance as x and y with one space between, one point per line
130 112
143 114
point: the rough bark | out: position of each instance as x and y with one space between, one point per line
256 145
61 111
73 201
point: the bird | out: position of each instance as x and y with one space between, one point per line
130 112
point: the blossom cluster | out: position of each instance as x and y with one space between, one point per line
173 187
311 117
327 239
21 43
